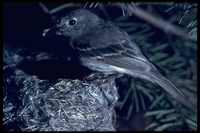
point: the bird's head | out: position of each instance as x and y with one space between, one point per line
75 24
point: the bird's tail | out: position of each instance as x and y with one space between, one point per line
169 87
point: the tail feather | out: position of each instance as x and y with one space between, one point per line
154 76
169 87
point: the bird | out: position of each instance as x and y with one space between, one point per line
101 46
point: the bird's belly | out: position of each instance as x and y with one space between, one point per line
96 65
100 66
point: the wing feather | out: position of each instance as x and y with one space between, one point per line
113 47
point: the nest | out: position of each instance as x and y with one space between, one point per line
34 104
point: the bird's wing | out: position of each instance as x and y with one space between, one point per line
114 47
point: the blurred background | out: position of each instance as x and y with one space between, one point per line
166 31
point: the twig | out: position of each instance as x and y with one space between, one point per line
44 8
167 27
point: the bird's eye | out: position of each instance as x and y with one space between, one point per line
72 22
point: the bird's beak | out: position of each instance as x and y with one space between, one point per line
49 32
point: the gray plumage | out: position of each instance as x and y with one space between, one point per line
103 47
